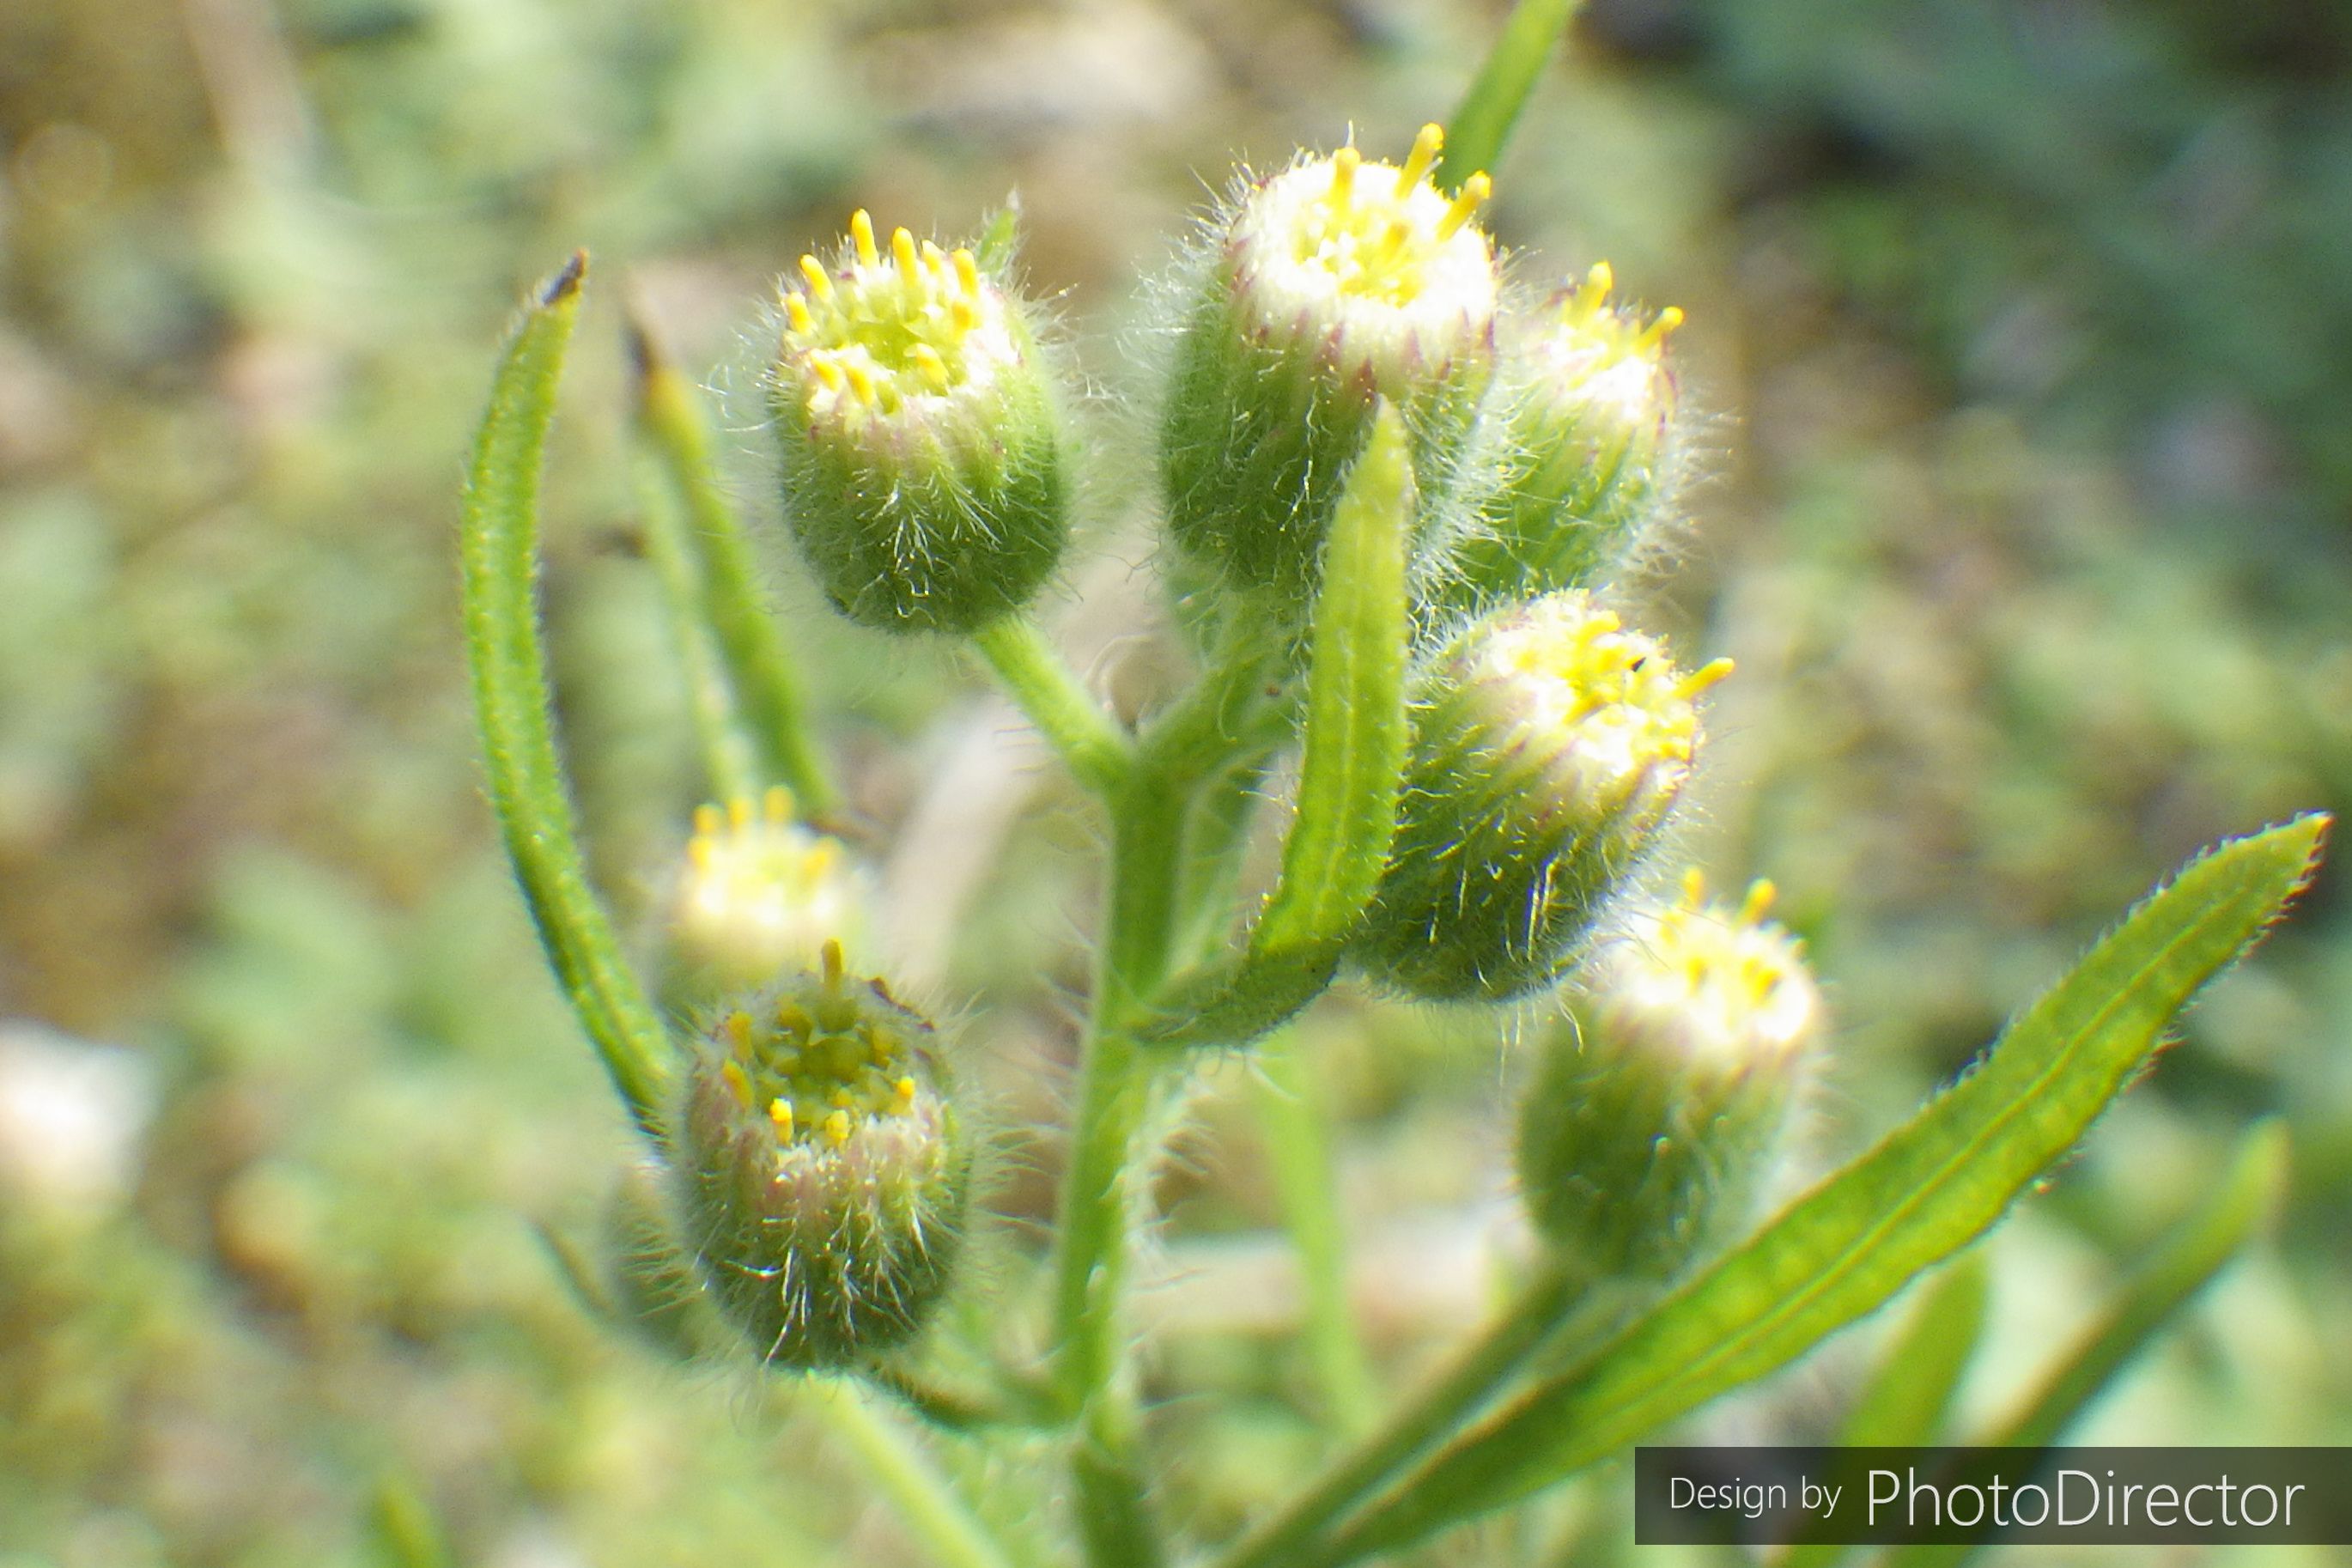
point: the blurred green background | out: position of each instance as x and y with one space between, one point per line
2020 344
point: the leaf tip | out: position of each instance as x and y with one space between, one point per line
566 283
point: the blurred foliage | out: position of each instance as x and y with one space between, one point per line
2032 338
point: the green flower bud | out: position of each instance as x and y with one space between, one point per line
1589 407
761 896
1335 283
924 468
1662 1097
822 1172
1547 745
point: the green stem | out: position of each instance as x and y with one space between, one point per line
1089 741
1483 121
1290 1116
1108 1175
926 1503
1289 1539
759 668
499 562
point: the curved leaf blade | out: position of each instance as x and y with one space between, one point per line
498 555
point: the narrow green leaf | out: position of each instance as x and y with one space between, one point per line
1355 733
759 668
1907 1403
500 560
1356 728
1929 1189
1482 122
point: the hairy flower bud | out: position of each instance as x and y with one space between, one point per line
822 1172
1547 745
924 469
1589 410
1662 1097
761 896
1336 282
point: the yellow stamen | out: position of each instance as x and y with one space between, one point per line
780 1113
1760 894
1655 332
926 360
730 1073
861 235
700 850
738 1038
794 1020
827 372
904 1091
1475 191
967 271
739 813
836 1128
1601 280
778 803
820 281
1704 676
797 309
963 314
708 821
902 254
1426 148
861 381
935 260
829 958
1344 164
1694 888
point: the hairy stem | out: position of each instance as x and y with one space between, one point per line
926 1504
1089 741
765 686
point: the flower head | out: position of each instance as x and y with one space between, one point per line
823 1169
1667 1089
761 894
921 435
1589 405
1549 744
1335 284
1368 263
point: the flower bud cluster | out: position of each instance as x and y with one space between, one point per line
821 1169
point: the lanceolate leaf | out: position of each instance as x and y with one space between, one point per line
499 558
1929 1189
1355 733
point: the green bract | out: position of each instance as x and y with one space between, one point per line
1334 284
924 470
1547 745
